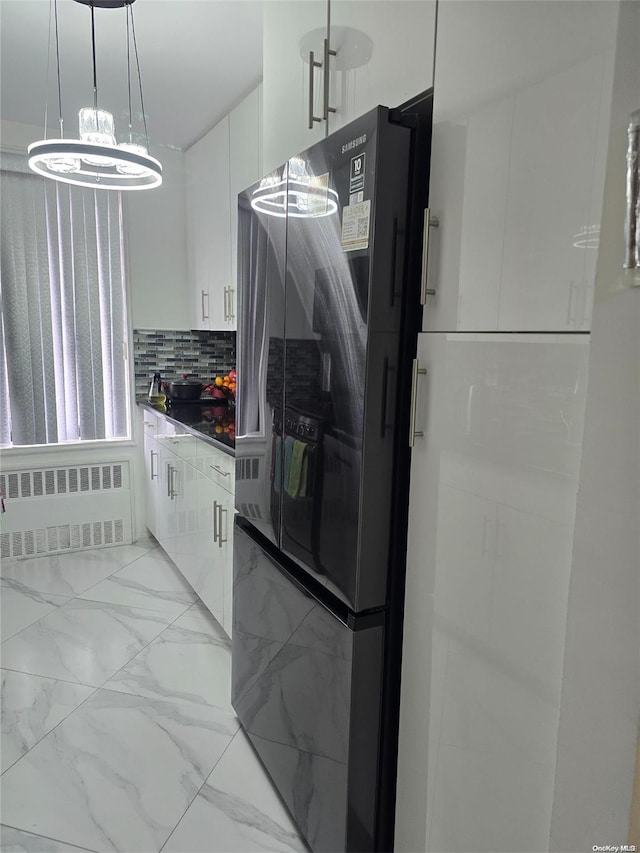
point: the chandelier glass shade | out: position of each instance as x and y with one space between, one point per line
96 159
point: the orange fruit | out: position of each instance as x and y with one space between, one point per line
218 381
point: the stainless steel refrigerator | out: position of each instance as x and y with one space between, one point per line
324 273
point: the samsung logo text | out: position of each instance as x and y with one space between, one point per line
348 146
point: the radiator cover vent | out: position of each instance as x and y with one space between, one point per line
55 509
63 537
248 468
61 481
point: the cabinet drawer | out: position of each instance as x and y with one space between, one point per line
218 466
182 443
151 423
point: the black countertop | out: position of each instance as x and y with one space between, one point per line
203 420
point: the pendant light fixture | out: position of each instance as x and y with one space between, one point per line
96 160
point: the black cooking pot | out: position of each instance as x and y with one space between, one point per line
185 389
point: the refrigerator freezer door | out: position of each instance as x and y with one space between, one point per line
306 689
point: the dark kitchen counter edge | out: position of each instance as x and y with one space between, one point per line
230 451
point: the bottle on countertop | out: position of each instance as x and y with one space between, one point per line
157 397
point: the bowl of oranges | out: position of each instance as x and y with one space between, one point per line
224 387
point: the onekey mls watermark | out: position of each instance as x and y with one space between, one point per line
614 848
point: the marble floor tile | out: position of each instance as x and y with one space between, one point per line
83 641
236 810
199 615
17 841
22 606
184 664
73 573
31 707
117 774
152 582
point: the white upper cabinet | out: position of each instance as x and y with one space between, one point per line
364 54
219 166
521 108
245 168
208 228
285 83
384 54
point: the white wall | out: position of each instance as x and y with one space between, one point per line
600 703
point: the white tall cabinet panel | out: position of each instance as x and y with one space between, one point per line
208 228
245 168
522 96
492 508
383 55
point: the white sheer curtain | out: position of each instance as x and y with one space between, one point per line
63 375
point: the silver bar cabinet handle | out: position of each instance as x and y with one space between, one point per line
416 371
204 293
172 489
219 470
326 108
221 509
232 313
168 479
632 217
312 64
215 521
153 476
428 222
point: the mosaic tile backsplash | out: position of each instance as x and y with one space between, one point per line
202 355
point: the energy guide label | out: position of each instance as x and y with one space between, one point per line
355 226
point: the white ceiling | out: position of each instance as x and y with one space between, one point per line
198 59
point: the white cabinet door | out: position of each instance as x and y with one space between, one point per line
384 54
291 30
170 472
244 170
494 479
517 163
151 452
208 228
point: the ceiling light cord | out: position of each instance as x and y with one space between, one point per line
93 54
55 8
135 47
129 75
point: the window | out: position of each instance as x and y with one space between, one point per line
63 373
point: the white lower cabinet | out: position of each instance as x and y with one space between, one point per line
494 477
190 506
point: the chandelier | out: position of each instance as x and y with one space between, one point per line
96 159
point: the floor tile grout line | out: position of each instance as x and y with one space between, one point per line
146 551
66 717
48 837
197 794
50 677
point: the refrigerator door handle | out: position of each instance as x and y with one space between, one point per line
312 64
416 371
428 223
384 426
